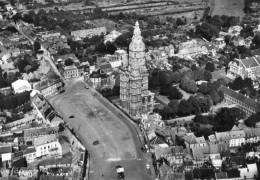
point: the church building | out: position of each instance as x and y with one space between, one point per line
135 97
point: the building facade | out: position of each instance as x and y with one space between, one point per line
134 94
248 67
248 105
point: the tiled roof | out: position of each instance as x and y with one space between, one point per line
44 140
252 132
250 102
222 136
237 134
250 62
5 149
29 150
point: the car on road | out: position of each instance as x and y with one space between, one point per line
96 142
71 116
86 86
120 172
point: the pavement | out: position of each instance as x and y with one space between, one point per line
94 120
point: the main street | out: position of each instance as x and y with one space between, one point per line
93 120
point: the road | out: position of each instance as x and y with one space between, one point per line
119 142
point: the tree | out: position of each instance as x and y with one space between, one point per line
195 105
237 84
27 68
165 78
226 118
252 120
207 75
188 85
203 88
174 104
215 97
256 40
174 93
123 40
36 46
207 31
247 31
210 67
185 108
69 62
180 21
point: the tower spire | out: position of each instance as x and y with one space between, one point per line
137 31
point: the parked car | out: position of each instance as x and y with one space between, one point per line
120 172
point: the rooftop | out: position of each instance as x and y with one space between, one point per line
250 102
5 149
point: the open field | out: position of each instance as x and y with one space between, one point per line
227 7
93 120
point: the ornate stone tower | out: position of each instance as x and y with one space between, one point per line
134 94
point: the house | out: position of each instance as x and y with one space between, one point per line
27 120
223 139
248 105
249 172
248 67
47 146
219 42
106 68
173 155
31 133
5 91
239 41
237 138
20 86
30 154
252 135
49 87
234 30
70 72
81 34
99 79
192 48
6 153
45 112
150 122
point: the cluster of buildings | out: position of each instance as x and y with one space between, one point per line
39 142
178 151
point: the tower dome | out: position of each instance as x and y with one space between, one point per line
137 43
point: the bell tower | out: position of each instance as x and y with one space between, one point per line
134 94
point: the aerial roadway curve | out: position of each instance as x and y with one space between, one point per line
116 140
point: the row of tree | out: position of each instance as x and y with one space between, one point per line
223 120
14 101
194 105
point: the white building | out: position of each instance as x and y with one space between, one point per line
192 48
248 67
30 154
111 37
47 146
249 172
80 34
20 86
237 138
234 30
6 153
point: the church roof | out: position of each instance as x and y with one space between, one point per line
137 43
